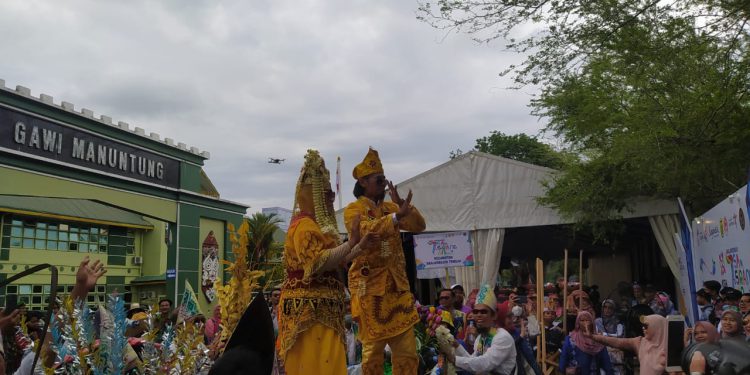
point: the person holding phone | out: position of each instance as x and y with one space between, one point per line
581 355
651 348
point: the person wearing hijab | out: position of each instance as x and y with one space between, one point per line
649 348
579 301
581 355
609 325
702 332
731 325
638 298
661 304
312 300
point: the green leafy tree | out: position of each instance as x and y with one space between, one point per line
521 147
651 94
260 234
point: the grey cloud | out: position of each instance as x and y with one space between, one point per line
250 80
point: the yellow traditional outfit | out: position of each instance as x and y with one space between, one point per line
381 300
311 317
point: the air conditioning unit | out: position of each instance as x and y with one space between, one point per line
137 261
143 295
152 295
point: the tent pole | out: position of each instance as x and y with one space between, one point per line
540 313
580 269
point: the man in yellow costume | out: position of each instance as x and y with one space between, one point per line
381 300
311 318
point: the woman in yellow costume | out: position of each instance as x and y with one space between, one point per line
311 321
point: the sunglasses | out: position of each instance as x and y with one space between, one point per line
480 311
380 180
444 297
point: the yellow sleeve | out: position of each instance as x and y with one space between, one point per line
383 226
413 222
308 245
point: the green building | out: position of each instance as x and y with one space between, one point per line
72 184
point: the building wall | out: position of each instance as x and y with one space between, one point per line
19 256
189 241
18 182
175 210
219 231
606 270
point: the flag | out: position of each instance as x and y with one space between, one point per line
189 306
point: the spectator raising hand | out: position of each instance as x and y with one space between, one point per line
86 277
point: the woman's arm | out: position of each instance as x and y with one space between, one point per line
630 344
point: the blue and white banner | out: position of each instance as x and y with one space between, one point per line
442 250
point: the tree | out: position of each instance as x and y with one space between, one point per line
520 147
651 94
260 234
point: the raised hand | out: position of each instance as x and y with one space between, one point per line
395 198
405 207
86 278
88 274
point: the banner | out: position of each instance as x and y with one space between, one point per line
721 243
189 306
685 286
442 250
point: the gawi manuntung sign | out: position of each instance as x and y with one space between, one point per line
721 243
441 250
28 135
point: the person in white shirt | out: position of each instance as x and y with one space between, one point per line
494 349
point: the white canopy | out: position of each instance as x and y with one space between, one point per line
482 191
487 194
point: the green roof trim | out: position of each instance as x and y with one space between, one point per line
149 279
70 209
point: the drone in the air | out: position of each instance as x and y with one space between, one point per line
275 161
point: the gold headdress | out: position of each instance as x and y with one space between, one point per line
371 164
315 173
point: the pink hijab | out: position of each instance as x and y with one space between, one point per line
580 340
652 352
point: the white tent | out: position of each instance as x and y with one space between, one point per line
486 194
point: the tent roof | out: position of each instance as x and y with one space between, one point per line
481 191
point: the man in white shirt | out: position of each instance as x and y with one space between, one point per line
494 349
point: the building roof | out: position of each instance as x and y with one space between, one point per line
70 209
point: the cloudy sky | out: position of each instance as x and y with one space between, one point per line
248 80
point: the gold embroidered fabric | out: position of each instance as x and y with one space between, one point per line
372 269
381 298
308 297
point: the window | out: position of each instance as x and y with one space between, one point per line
28 233
36 296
